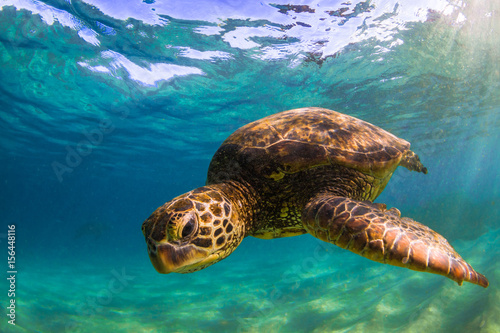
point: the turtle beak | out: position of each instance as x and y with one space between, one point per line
167 258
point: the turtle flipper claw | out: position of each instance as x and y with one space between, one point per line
384 236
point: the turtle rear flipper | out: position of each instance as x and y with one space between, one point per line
382 235
411 161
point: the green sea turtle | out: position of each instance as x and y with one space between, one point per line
308 170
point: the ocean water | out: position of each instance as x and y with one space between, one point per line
108 109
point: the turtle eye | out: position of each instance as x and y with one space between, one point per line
188 228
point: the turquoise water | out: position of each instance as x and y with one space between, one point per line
108 109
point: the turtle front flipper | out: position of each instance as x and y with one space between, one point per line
382 235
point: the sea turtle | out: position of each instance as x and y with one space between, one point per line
308 170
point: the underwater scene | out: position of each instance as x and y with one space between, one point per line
111 108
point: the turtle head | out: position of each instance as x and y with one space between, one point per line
192 231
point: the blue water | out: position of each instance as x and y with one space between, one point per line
108 109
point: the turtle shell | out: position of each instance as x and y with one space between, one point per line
296 140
